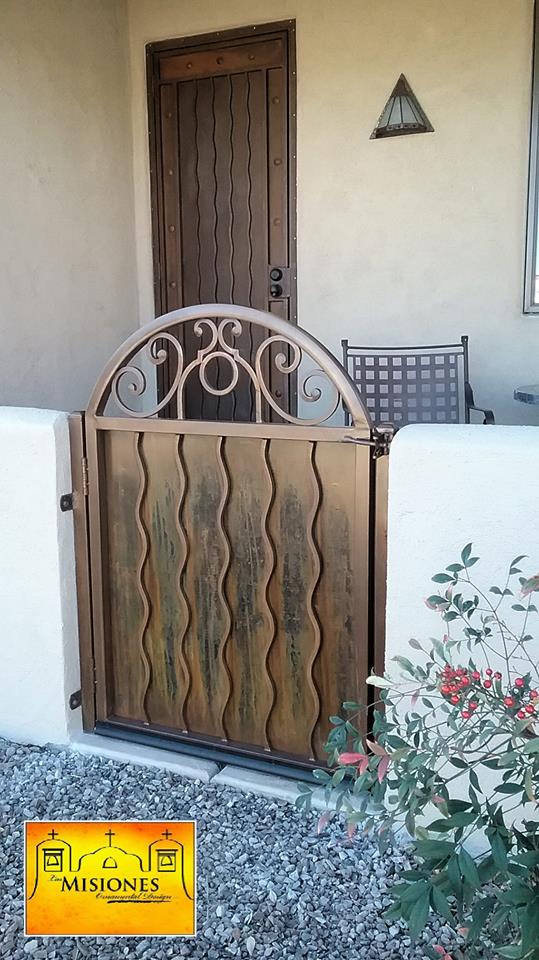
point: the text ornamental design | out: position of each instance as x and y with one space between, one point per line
84 877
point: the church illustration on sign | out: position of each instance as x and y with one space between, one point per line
111 867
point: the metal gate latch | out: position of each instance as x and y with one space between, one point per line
380 440
66 502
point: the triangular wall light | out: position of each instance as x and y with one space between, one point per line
402 114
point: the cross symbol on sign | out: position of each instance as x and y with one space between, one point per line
52 834
166 833
110 834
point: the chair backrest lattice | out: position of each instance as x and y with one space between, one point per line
402 385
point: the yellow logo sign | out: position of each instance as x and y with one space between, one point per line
120 877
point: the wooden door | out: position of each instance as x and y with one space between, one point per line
222 138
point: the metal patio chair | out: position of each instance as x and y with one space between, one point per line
402 385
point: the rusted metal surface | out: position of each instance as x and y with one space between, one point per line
231 563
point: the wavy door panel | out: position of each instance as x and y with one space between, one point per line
253 622
205 574
292 588
342 533
124 547
238 584
168 617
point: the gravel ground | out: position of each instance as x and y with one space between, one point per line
268 885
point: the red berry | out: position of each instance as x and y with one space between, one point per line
519 682
487 684
534 694
466 714
488 672
530 708
497 675
465 682
521 714
476 675
509 702
473 705
455 699
445 690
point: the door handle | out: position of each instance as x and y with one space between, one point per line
279 285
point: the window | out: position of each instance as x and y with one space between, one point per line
52 859
166 861
531 283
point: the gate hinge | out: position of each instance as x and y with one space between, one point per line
84 476
75 700
380 440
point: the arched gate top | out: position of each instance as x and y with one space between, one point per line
125 381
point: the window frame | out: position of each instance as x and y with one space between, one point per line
531 305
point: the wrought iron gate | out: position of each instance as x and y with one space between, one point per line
228 594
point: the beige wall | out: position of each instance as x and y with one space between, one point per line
408 240
67 269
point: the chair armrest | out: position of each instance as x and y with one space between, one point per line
488 414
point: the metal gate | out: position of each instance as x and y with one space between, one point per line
227 572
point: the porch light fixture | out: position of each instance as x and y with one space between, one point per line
402 114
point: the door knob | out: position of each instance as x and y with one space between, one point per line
276 274
276 290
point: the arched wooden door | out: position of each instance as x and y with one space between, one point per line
230 563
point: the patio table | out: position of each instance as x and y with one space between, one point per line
528 394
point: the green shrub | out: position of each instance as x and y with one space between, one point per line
469 702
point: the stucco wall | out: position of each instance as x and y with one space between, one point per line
38 613
413 239
449 485
67 266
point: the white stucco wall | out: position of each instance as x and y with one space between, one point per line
67 265
449 485
38 618
415 239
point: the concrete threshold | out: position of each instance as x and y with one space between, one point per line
265 785
242 779
139 754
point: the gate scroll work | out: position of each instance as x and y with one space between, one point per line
227 577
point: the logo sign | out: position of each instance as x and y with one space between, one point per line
120 877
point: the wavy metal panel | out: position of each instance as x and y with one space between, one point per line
238 578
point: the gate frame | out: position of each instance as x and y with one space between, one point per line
88 547
79 472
